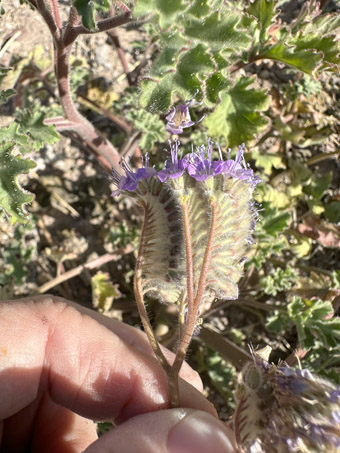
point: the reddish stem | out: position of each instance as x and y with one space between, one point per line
207 258
121 54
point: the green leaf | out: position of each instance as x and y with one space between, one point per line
327 46
199 8
272 198
35 128
263 10
216 83
185 80
13 134
12 197
87 9
313 319
103 291
165 10
306 60
219 31
318 185
238 118
332 211
6 94
276 221
279 280
267 161
222 375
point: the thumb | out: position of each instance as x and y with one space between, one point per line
167 431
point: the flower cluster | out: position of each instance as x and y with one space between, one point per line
286 410
197 210
199 165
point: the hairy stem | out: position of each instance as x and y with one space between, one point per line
191 315
207 258
138 289
63 40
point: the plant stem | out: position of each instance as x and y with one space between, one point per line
193 304
63 40
191 316
138 289
207 257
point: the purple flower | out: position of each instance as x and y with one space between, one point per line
201 166
179 117
130 181
238 169
175 167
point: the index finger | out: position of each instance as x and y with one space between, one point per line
51 347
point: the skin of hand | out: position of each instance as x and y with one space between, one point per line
62 366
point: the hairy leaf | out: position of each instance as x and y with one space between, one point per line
237 118
12 134
12 197
263 10
185 80
219 32
165 10
326 46
306 60
34 127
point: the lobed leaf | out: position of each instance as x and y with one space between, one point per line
263 10
103 291
34 127
306 60
12 196
165 10
238 116
218 31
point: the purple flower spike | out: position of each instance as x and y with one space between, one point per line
201 166
175 167
179 117
131 180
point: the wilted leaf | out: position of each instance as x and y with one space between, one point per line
12 196
103 291
323 232
268 161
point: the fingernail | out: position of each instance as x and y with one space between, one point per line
199 433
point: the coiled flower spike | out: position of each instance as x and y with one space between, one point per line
285 410
203 188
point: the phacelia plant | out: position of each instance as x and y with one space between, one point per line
198 221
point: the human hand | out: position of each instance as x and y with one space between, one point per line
62 366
